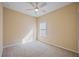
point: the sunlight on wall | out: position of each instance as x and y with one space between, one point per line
28 38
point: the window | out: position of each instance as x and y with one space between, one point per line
43 29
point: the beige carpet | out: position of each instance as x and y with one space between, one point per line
36 49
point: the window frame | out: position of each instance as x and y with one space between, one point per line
44 34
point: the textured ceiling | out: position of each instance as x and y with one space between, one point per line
22 6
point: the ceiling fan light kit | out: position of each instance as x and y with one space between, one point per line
36 9
36 6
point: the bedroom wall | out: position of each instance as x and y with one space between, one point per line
17 26
61 27
78 27
1 29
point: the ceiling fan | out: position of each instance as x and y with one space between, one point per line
37 6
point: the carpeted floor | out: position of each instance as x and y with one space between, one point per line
36 49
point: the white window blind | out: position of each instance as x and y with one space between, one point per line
43 29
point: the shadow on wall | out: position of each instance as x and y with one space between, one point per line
29 37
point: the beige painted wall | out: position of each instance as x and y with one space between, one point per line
62 27
78 27
16 27
1 29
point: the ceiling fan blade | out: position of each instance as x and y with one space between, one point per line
43 10
29 9
32 4
43 4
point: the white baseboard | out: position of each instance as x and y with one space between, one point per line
15 44
59 46
11 45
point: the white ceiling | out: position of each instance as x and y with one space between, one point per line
22 6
